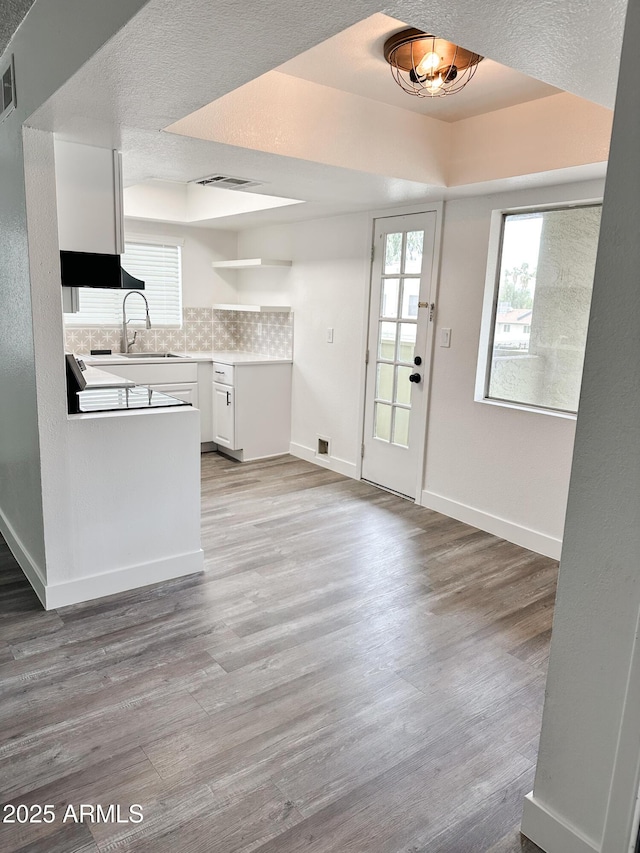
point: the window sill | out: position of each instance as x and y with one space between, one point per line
536 410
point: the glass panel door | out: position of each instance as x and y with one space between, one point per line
397 334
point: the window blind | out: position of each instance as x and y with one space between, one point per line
159 265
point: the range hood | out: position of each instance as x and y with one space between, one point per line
90 269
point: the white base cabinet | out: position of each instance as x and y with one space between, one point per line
252 409
245 409
179 379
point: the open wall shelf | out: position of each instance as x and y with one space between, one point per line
250 264
261 308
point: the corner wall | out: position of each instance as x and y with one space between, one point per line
589 760
42 65
500 469
327 288
201 284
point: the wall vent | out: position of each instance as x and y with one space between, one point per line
7 90
324 446
227 182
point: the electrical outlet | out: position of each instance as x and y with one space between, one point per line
445 337
330 335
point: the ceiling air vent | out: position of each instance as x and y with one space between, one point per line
226 182
7 90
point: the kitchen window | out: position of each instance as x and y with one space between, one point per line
159 265
536 310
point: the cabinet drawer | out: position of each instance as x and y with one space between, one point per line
156 374
187 391
223 373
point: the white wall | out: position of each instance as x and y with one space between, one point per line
538 136
587 779
297 118
55 491
267 286
501 469
202 286
487 464
327 287
42 65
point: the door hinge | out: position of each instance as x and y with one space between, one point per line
366 357
373 251
362 450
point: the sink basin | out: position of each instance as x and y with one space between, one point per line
150 355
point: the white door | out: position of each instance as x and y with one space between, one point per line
224 432
398 367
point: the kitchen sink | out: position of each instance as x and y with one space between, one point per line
150 355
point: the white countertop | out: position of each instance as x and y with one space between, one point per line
219 356
96 378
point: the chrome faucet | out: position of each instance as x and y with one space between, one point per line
126 344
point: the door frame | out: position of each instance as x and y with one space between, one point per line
436 207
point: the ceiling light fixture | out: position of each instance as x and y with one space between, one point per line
427 66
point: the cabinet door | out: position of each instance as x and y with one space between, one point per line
187 391
224 432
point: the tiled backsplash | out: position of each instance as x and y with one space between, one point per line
203 329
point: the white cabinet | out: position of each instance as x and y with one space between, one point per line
245 409
252 409
179 379
89 198
171 371
224 421
187 391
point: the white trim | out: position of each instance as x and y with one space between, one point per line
153 239
550 832
621 821
541 543
131 577
521 407
438 207
33 573
333 463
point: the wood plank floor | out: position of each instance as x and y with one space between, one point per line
352 674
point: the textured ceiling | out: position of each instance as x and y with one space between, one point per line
353 61
173 58
11 14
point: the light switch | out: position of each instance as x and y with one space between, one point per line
330 335
445 337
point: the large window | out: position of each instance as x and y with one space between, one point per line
537 307
159 265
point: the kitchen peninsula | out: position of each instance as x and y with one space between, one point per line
244 398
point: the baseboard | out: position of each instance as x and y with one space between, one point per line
109 583
516 533
30 568
340 466
550 832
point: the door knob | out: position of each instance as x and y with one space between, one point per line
415 377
